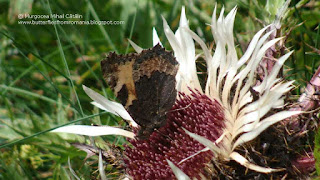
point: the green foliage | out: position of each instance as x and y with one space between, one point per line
43 67
317 151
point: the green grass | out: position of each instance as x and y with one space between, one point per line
43 67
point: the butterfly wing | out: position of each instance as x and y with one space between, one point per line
145 84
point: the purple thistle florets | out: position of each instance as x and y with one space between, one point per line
197 113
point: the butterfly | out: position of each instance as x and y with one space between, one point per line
145 84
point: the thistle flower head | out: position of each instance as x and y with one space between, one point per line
232 83
231 110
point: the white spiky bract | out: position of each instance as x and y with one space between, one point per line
101 167
94 130
184 51
229 82
180 175
110 106
107 105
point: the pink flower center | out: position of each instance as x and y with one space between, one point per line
198 114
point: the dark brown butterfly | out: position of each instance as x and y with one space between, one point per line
145 85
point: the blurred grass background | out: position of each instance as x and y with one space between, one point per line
43 67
